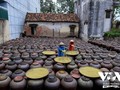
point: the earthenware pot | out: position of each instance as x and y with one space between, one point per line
28 61
95 64
61 74
23 66
18 72
39 60
75 73
18 83
36 84
2 65
106 64
35 65
52 83
6 72
6 60
59 66
48 65
83 63
11 66
69 83
4 82
71 66
85 83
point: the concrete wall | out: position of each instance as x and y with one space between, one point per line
92 14
52 29
4 31
17 10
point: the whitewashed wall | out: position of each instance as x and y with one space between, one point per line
17 10
60 29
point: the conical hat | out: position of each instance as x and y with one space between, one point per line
61 43
71 40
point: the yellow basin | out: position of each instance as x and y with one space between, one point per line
72 53
63 60
49 52
37 73
90 72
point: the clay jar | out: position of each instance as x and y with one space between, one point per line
39 60
116 62
28 61
2 65
35 84
78 61
86 56
69 83
34 55
35 65
95 56
88 60
52 83
106 64
83 63
75 73
15 56
18 83
48 65
85 83
61 74
23 66
6 72
18 72
104 69
112 54
59 66
49 60
95 64
11 66
18 61
4 82
51 72
71 66
99 60
115 69
6 60
25 55
78 57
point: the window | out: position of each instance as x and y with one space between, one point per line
108 13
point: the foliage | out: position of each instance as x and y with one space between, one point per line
113 33
61 6
116 10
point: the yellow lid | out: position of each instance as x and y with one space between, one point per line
37 73
72 53
49 52
63 59
90 72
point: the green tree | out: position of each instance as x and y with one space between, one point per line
62 6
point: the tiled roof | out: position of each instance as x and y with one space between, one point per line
50 17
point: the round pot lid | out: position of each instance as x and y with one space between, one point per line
37 73
90 71
63 60
49 52
72 53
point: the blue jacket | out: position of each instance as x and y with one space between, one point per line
60 50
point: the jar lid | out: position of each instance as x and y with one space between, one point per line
11 63
18 71
52 78
2 77
68 78
18 78
85 78
5 58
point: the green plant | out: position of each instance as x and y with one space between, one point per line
113 33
